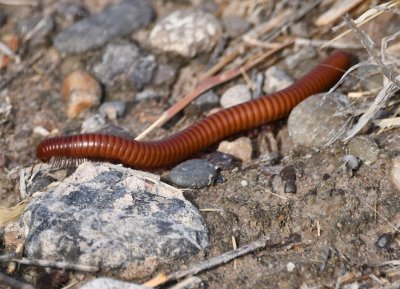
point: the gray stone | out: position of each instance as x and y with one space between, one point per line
193 174
235 95
143 71
276 79
186 32
117 59
112 109
147 94
71 11
164 74
43 24
235 26
93 124
93 32
364 148
112 217
207 100
108 283
315 122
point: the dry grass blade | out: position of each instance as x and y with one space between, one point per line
207 85
337 10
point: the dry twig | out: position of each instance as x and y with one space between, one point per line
13 283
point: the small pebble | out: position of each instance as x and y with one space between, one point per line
112 109
235 95
42 25
315 122
143 71
351 162
244 183
71 11
117 59
364 148
235 26
288 176
276 79
221 160
240 148
115 130
81 91
207 100
94 31
290 266
384 241
186 32
294 60
147 94
93 124
272 159
193 174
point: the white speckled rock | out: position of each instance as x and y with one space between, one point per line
110 216
364 148
235 95
186 32
240 148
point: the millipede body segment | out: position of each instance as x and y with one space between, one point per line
180 146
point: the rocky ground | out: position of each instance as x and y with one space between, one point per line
328 208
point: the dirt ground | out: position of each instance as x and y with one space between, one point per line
336 217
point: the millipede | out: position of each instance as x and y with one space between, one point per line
208 131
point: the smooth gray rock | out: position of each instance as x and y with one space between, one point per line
235 95
235 26
108 283
193 174
117 59
207 100
94 31
112 109
314 122
276 79
143 71
110 216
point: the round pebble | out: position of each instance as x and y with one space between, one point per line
276 79
315 122
364 148
384 241
112 109
193 174
186 33
240 148
207 100
221 160
351 162
235 26
93 124
235 95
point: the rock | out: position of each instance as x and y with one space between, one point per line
314 123
235 95
165 74
288 176
42 25
112 109
193 174
147 94
113 217
351 162
384 241
117 59
221 161
71 11
143 71
235 26
364 148
276 79
304 54
94 31
93 124
186 32
108 283
81 91
240 148
115 130
207 100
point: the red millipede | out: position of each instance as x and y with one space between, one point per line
178 147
